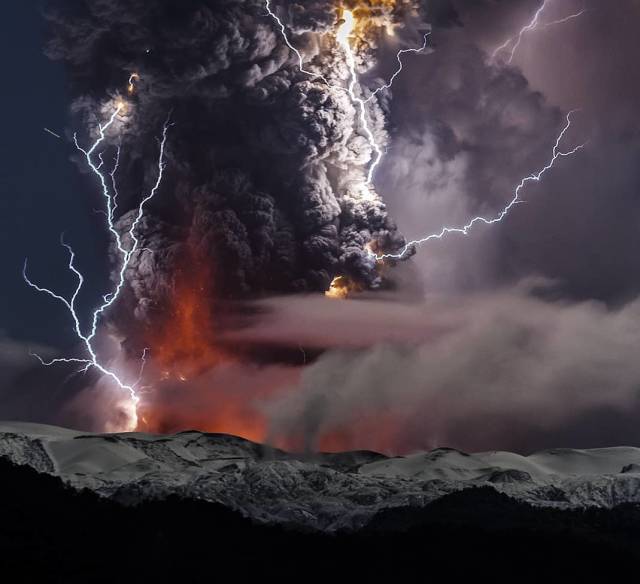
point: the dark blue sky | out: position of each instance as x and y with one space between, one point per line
43 194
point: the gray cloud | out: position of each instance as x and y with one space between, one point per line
478 127
27 391
502 370
459 151
16 357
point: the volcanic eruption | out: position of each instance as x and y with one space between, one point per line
266 185
270 164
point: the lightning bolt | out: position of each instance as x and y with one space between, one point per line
343 35
125 253
534 23
397 72
298 54
515 200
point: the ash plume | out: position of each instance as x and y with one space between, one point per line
263 158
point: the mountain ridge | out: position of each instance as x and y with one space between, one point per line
323 491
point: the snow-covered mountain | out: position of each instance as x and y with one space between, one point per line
324 491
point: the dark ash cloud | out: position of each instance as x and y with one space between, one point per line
263 162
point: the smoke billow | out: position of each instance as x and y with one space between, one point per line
509 370
264 162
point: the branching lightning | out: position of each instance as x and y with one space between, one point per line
515 200
513 43
126 252
298 54
343 36
397 72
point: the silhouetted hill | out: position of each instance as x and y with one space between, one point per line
50 533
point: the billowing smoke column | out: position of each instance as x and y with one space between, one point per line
264 191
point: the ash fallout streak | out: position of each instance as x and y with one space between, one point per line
534 177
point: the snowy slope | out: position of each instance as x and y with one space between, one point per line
327 491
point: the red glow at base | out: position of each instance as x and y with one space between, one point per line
196 384
200 386
226 412
186 344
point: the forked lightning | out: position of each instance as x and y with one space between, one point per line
125 252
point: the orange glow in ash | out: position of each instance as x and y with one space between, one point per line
186 345
371 15
378 432
133 79
228 415
200 385
204 387
341 288
228 399
371 7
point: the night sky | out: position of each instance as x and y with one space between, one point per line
532 323
42 189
